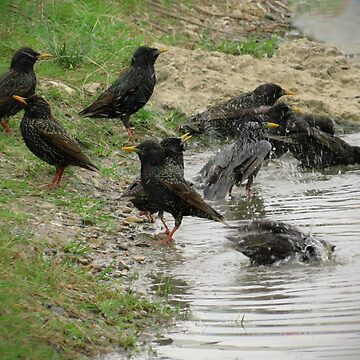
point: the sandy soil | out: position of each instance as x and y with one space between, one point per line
323 79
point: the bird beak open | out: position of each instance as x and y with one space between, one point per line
129 148
270 125
162 50
43 56
185 137
19 98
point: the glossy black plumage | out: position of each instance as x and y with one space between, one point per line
166 186
318 149
135 193
130 92
266 241
20 80
226 115
237 162
48 140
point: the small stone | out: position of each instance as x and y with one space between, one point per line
92 88
134 219
96 267
139 258
125 223
62 86
95 243
122 265
122 247
84 261
126 210
164 340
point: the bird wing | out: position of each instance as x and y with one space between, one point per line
57 136
185 192
127 83
12 83
240 164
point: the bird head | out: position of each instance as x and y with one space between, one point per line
145 55
149 152
35 106
271 92
25 58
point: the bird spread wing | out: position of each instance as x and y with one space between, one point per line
186 193
236 165
127 83
58 137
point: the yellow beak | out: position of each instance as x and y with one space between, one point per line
185 137
44 56
163 50
289 93
129 148
19 98
270 125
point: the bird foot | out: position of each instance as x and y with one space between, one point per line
50 186
164 239
149 217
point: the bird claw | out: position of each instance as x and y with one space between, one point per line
164 239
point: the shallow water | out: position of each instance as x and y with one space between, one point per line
290 311
336 22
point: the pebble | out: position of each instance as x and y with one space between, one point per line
126 210
139 258
134 219
122 265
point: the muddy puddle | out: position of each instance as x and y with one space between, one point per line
290 311
333 22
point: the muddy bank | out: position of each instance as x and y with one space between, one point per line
324 80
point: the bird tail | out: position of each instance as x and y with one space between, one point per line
92 167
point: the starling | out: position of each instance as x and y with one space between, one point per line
237 162
48 140
20 80
166 186
264 95
321 122
266 241
130 92
174 148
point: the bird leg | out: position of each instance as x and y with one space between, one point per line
161 217
148 216
130 132
6 127
56 180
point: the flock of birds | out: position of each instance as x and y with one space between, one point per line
254 125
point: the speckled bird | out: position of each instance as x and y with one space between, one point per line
20 80
166 187
267 241
130 92
264 95
318 149
48 140
174 148
237 162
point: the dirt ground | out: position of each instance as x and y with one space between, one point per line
322 78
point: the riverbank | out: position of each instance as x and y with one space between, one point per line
71 255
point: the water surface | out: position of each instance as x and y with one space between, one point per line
336 22
290 311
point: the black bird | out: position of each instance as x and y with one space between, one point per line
321 122
264 95
20 80
48 140
130 92
318 149
266 241
237 162
174 148
166 186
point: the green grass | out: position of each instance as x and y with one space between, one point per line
56 310
253 46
